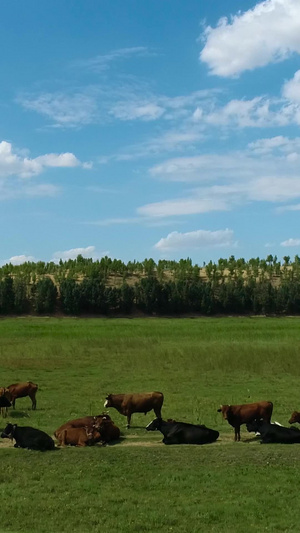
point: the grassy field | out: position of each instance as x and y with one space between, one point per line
140 484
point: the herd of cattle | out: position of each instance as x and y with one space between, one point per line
90 430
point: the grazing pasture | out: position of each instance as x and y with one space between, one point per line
140 484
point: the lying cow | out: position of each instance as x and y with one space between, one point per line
183 433
86 436
20 390
86 421
127 404
108 430
28 437
236 415
4 402
295 417
272 433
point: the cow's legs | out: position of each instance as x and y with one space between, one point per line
128 419
63 438
32 397
157 411
13 402
237 434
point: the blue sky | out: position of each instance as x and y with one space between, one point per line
156 128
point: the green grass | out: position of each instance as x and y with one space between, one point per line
140 484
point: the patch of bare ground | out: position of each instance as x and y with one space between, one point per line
6 443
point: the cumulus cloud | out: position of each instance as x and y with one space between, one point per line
195 239
20 259
290 242
268 33
15 164
291 88
88 252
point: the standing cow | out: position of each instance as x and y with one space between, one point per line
236 415
20 390
143 402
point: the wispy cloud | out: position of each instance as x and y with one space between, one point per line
64 110
102 62
231 49
227 181
192 240
140 110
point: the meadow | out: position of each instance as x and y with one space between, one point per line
140 484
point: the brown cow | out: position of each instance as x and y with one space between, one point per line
109 431
295 417
236 415
127 404
78 436
88 421
20 390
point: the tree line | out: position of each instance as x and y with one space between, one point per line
111 287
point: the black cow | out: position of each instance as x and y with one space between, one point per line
27 437
183 433
272 433
4 402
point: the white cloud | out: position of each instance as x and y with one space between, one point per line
67 111
268 33
20 259
58 160
14 164
290 242
227 181
291 88
239 166
88 252
195 239
262 146
293 207
183 206
130 111
102 62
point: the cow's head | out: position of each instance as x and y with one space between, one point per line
225 410
108 401
9 431
154 425
295 417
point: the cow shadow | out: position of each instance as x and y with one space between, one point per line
256 438
18 414
110 443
